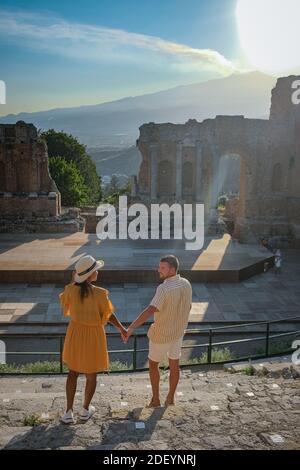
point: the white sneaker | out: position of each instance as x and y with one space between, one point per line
67 418
87 414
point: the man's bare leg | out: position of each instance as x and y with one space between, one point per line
154 379
173 380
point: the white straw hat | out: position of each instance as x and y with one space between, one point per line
85 266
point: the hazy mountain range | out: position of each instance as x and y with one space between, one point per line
116 124
119 161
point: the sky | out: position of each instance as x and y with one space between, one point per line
70 53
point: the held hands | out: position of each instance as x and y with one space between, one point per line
129 333
125 334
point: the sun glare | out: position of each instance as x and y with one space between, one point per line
269 32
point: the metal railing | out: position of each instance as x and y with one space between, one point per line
264 336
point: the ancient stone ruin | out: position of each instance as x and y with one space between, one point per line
190 163
25 183
29 198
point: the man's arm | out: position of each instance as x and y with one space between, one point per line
141 319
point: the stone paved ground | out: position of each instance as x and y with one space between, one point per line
267 296
214 410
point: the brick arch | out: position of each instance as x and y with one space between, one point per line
245 186
229 168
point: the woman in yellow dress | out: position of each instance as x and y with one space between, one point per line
85 347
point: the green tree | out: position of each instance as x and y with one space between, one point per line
113 187
69 181
113 197
66 146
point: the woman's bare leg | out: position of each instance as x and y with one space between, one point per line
90 387
71 386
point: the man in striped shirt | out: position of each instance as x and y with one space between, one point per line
170 306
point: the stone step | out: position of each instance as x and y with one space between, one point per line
276 367
241 365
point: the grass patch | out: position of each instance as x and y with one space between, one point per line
49 367
118 365
53 367
249 370
39 367
218 355
32 420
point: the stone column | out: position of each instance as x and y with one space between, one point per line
213 192
179 172
153 163
199 172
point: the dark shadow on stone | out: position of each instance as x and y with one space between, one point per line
124 431
41 437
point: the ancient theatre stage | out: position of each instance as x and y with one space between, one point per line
48 258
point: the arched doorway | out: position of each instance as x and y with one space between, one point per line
227 191
228 175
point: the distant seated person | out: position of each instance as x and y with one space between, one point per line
278 261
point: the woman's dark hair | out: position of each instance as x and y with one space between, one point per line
85 289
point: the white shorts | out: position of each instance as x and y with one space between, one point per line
158 352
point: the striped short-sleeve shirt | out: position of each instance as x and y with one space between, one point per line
173 299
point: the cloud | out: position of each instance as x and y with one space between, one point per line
88 42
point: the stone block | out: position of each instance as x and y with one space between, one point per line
279 370
295 369
218 442
272 439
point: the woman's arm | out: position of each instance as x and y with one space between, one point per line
115 322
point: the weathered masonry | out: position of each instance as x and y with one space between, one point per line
26 187
184 163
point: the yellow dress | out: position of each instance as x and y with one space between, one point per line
85 347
